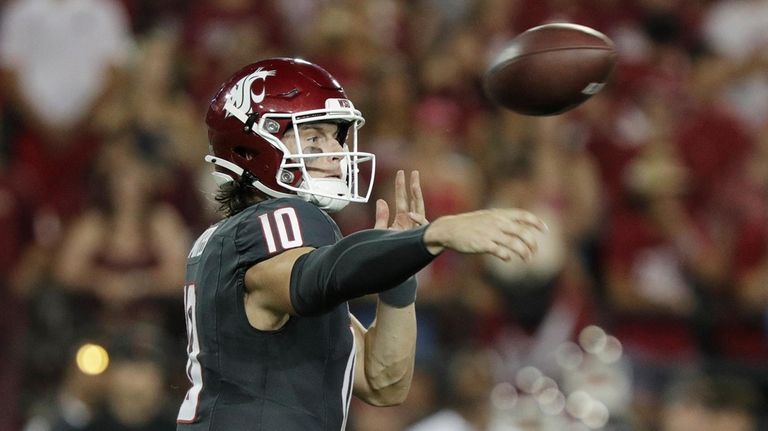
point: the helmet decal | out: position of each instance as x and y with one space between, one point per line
242 93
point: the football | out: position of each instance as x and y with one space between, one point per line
550 69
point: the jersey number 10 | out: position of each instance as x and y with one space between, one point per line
282 218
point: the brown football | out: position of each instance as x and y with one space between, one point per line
550 69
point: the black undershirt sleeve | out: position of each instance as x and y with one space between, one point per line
365 262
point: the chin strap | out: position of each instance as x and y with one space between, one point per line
222 178
328 186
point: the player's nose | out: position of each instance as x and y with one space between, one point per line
333 148
328 165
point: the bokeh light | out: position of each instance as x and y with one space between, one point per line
92 359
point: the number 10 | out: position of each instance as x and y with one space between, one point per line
288 239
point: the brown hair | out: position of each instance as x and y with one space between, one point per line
235 196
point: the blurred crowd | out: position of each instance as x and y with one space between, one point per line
646 307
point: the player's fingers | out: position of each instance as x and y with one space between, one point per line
498 250
382 214
515 245
417 198
417 218
525 217
525 233
401 196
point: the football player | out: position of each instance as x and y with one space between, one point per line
272 344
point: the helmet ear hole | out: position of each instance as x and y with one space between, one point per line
246 153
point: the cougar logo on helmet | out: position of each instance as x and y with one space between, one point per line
242 93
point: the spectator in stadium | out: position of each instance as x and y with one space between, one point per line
468 384
744 302
128 245
60 62
271 339
167 126
555 284
131 394
13 234
58 71
221 35
710 403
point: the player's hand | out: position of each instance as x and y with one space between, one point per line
500 232
409 211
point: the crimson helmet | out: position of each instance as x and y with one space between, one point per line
251 113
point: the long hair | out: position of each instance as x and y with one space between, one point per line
236 196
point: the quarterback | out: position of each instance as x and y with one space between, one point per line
271 342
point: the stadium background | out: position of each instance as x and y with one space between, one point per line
645 309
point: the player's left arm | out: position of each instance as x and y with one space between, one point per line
385 355
386 350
